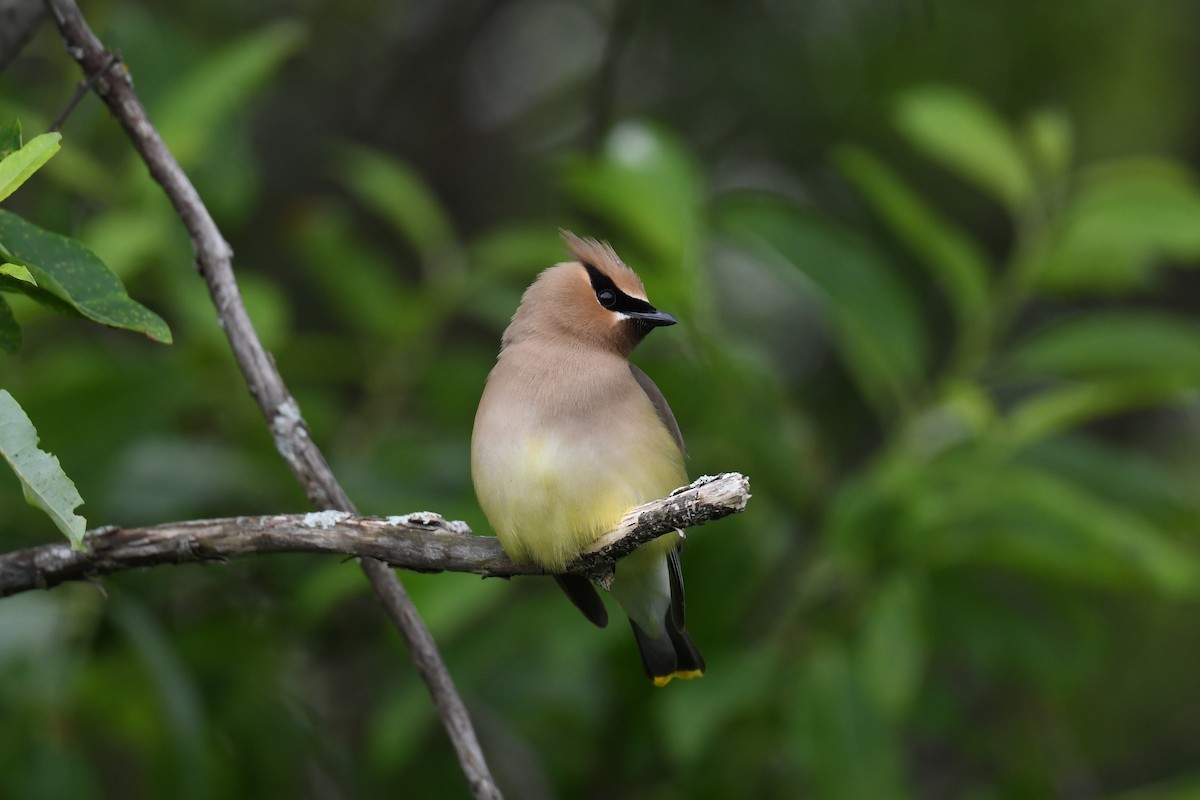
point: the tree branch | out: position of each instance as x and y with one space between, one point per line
423 542
214 262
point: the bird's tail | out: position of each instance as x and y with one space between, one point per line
673 655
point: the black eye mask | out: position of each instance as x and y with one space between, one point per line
612 298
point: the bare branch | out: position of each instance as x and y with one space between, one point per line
214 261
423 542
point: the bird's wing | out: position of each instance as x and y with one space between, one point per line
580 591
660 406
675 576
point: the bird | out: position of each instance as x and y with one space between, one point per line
569 436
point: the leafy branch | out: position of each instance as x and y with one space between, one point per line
214 262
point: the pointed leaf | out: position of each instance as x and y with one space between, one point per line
1062 408
68 272
1032 520
1124 218
220 85
10 138
952 258
16 168
400 196
1048 136
954 127
1104 344
19 272
42 478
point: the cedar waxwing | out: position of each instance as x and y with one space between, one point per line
569 436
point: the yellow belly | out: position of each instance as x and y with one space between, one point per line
548 497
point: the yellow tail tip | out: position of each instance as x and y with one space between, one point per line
687 675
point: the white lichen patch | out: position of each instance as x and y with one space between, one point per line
430 519
323 519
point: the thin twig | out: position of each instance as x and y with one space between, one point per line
214 262
424 542
81 90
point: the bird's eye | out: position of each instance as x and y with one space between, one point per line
607 298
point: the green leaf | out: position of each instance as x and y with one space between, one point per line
1133 480
1055 410
395 191
891 658
877 327
19 272
70 275
357 280
515 250
16 168
645 181
220 85
1107 344
1032 520
850 752
1048 137
955 128
10 331
42 478
952 258
1125 217
10 138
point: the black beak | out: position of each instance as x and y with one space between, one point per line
653 318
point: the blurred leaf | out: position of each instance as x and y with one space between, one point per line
10 138
850 752
1032 520
955 128
878 329
1133 481
16 168
10 331
358 282
42 478
690 726
1061 408
1048 136
1124 217
1108 343
68 272
964 412
953 259
179 700
219 85
126 237
395 191
518 250
891 656
403 720
645 181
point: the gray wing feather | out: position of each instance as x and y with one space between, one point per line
660 406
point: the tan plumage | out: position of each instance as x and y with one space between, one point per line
569 436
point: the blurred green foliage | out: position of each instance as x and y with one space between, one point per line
935 268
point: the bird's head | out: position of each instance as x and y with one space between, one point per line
595 299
